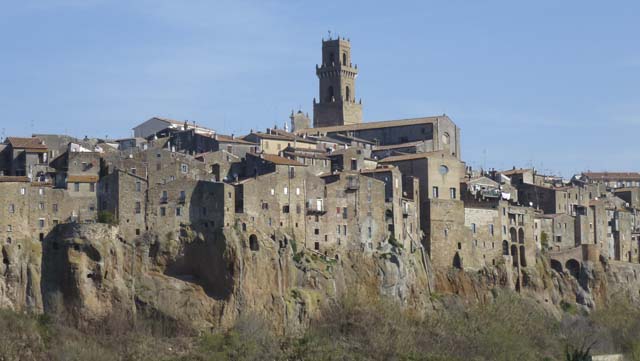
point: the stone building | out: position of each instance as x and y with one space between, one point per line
24 157
613 179
441 210
275 142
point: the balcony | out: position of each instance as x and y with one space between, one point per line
315 206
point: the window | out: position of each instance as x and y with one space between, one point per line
137 231
204 211
178 211
273 191
369 229
435 192
491 229
184 168
41 191
41 223
473 227
9 228
344 59
23 191
286 190
92 187
316 231
12 208
183 195
133 171
344 230
163 211
348 93
138 186
297 191
452 193
338 229
354 164
138 208
41 206
76 187
285 209
292 172
344 212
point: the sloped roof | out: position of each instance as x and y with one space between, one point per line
413 156
276 159
604 176
26 143
374 125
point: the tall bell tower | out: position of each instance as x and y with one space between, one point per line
337 104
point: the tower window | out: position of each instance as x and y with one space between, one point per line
344 59
348 93
330 94
331 58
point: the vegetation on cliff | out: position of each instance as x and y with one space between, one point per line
358 328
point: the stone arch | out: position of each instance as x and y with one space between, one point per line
457 261
521 236
505 247
573 266
513 235
514 255
556 265
253 243
523 259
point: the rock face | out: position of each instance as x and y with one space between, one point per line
207 279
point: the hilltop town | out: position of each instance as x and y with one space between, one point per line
325 188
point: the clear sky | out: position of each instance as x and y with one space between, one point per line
553 84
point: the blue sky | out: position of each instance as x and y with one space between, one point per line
553 84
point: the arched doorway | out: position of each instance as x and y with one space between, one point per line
556 265
253 243
573 267
521 236
457 261
514 255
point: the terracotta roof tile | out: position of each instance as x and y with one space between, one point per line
7 178
82 178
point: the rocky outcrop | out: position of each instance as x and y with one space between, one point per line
206 280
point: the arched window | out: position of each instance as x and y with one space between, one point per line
331 59
348 93
514 255
253 243
505 248
445 138
523 259
329 94
556 265
521 236
344 59
514 235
